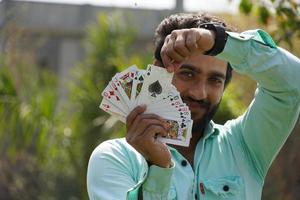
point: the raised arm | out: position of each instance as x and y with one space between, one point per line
274 111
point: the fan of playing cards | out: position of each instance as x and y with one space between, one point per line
151 87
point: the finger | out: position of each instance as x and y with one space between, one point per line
140 120
142 141
143 124
166 60
191 41
176 66
180 45
171 52
134 113
153 131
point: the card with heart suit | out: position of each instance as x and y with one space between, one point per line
151 87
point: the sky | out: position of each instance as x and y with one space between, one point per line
189 5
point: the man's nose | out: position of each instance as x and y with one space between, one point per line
198 91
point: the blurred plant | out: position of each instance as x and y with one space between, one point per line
108 51
236 98
280 16
29 122
46 141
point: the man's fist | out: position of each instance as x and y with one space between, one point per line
182 43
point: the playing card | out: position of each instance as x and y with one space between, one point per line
156 84
125 81
176 134
136 87
113 110
108 106
112 95
151 87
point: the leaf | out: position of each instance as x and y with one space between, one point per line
245 6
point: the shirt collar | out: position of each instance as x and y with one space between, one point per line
211 130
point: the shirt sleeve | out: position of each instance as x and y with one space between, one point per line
271 116
117 171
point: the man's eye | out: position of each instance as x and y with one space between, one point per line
187 74
216 80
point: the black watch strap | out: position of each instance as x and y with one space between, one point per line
220 40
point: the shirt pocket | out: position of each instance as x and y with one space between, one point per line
228 187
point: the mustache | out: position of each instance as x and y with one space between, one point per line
204 103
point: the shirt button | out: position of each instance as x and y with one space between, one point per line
226 188
183 163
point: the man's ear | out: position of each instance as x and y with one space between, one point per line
157 63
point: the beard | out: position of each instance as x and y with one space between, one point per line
200 124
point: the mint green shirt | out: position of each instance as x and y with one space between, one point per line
231 160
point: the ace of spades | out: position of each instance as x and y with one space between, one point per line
156 85
155 89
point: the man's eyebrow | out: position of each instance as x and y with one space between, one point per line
212 73
217 74
190 67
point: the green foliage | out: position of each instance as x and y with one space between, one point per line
264 14
46 139
29 128
27 109
108 51
234 102
284 15
245 6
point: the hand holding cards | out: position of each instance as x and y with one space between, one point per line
151 87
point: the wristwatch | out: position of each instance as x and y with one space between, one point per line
220 39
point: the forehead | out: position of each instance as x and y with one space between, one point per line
205 64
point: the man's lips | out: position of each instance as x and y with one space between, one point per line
193 104
196 104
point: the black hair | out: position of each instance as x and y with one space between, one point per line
183 21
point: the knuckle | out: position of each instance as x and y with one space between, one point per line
145 122
155 127
155 116
158 118
179 45
167 37
190 44
169 51
138 118
163 51
174 33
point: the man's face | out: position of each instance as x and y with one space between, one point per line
200 81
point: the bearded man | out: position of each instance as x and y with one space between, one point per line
222 161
